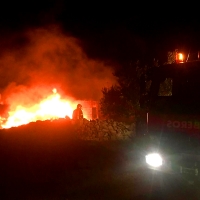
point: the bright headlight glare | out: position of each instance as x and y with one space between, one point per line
154 160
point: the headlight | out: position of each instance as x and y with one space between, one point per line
154 160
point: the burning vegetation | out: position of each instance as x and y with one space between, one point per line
43 74
52 107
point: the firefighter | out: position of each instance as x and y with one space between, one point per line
78 113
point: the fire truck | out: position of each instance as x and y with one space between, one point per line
171 118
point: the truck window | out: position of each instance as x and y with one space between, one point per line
165 88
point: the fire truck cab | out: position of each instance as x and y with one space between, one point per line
171 120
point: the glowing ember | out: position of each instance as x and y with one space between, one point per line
52 107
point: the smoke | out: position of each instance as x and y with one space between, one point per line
39 60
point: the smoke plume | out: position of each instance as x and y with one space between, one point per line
34 62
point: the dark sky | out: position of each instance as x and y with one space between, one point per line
75 46
118 31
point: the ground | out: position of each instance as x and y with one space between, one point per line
45 160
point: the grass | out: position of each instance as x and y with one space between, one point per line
46 160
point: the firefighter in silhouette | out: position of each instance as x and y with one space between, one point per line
78 113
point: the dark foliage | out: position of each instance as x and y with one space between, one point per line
122 100
131 95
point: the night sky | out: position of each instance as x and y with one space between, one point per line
112 33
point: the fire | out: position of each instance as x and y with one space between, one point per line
53 107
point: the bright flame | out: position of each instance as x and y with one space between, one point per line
54 90
53 107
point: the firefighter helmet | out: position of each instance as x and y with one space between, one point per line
79 106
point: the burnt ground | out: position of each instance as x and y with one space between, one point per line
45 160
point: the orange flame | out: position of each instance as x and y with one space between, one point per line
53 107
